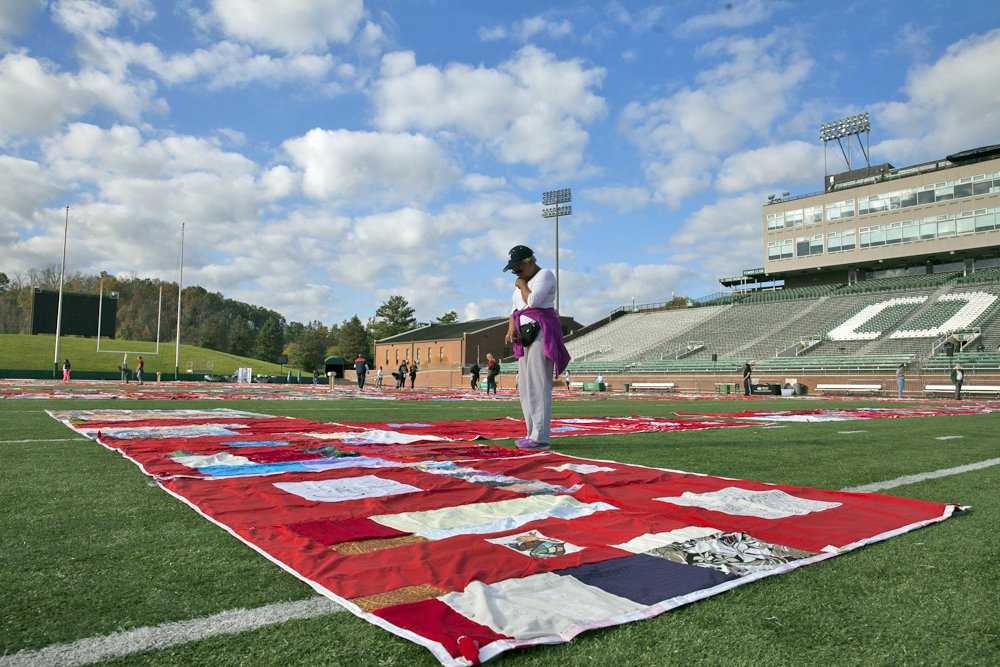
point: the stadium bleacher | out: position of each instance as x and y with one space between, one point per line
867 328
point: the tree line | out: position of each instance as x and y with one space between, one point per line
210 320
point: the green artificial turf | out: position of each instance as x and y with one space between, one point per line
89 547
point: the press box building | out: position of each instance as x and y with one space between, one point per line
882 221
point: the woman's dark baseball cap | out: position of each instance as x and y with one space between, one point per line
518 254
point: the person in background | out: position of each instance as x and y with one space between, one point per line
66 369
361 368
568 379
746 378
404 369
378 378
538 360
958 377
474 372
140 365
900 379
492 371
413 375
600 379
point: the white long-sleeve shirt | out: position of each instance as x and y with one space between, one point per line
543 294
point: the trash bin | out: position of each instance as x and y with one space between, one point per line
157 377
626 387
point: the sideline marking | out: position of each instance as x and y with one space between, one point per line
118 644
913 479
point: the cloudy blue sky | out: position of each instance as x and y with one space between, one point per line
325 155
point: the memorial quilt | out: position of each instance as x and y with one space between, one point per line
472 550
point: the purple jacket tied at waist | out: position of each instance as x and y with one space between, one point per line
552 336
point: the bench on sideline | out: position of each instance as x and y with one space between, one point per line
966 388
665 386
850 388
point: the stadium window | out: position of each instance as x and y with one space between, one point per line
963 190
870 204
775 221
809 245
816 245
928 229
418 356
907 199
946 227
894 234
813 215
779 249
397 355
429 355
925 197
945 192
840 209
966 223
386 356
911 230
793 218
877 237
441 355
985 220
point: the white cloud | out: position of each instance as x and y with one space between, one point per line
84 16
480 182
528 29
952 104
778 165
617 284
379 166
530 109
25 187
44 97
722 238
290 27
683 136
641 20
17 15
734 14
88 152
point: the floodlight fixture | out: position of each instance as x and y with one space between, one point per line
845 128
553 199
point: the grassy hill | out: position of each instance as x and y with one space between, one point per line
35 353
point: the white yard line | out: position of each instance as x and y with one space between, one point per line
127 642
19 442
913 479
107 647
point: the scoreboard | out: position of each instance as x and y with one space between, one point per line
79 316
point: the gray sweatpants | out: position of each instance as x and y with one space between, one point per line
534 385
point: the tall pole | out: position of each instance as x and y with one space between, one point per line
62 276
180 286
554 198
557 259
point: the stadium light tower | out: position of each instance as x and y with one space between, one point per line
62 276
553 199
845 128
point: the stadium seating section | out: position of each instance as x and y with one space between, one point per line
871 326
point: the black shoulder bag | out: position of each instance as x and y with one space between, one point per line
529 332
